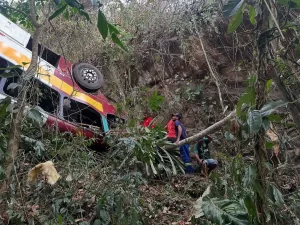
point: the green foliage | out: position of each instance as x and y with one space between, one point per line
155 101
252 120
236 20
16 17
222 203
58 12
269 85
252 14
36 115
118 207
247 98
144 148
232 7
224 211
193 93
292 4
61 8
102 24
235 8
4 126
275 195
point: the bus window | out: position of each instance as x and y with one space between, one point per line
48 55
114 121
39 94
45 97
3 64
80 113
7 88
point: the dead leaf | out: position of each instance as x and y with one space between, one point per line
47 170
165 210
69 178
274 137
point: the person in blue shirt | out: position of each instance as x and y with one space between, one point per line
184 149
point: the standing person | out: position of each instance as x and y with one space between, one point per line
184 149
170 127
202 154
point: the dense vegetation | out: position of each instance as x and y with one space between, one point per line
202 58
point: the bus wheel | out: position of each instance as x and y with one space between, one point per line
88 77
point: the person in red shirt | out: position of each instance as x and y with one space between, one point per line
147 121
170 127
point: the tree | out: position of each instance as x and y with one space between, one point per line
34 14
268 30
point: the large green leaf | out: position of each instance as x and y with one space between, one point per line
232 7
85 14
250 176
224 211
275 118
198 205
113 29
252 14
117 41
270 107
269 85
74 4
236 20
58 12
254 120
105 216
35 115
102 24
250 205
248 97
275 195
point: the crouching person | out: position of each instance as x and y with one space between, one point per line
202 154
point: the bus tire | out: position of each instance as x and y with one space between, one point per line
88 77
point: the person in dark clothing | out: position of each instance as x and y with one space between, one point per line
184 149
202 154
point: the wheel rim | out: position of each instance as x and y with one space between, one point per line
89 75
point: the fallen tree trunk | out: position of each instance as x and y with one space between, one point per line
207 131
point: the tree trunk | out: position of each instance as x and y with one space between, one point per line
15 129
260 90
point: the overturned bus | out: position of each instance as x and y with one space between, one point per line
70 98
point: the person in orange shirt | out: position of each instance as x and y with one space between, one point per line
170 127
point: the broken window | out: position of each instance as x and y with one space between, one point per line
48 55
77 112
114 121
39 94
45 97
11 86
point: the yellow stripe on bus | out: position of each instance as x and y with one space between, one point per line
49 77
